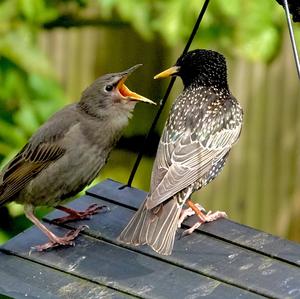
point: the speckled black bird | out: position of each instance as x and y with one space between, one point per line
68 151
204 123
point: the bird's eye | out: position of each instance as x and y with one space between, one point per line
109 87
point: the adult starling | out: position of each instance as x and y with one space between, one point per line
204 122
68 151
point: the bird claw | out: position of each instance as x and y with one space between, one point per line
187 213
209 217
190 230
80 215
66 240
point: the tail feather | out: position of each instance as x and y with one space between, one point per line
155 227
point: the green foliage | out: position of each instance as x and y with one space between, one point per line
29 92
27 80
252 29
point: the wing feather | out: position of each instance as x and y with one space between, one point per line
43 148
25 166
182 161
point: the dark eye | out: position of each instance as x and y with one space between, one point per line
109 87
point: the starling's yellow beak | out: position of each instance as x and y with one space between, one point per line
167 73
132 96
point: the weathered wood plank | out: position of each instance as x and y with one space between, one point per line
122 269
225 229
21 278
204 254
201 264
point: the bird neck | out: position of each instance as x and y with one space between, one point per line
202 77
206 90
88 109
206 81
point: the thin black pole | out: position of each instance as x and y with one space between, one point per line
288 18
152 128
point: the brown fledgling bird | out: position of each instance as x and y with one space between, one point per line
68 151
204 123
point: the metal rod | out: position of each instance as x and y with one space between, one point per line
163 102
294 46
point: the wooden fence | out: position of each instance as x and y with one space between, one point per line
260 183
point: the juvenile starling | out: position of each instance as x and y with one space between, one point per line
204 123
68 151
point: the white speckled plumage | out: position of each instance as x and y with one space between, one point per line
204 123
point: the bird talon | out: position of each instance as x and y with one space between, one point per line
83 227
92 206
78 215
67 240
107 209
190 230
185 213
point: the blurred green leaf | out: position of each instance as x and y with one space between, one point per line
7 12
250 29
5 149
11 134
19 47
29 8
137 13
47 96
229 9
256 35
37 11
26 118
4 236
15 209
262 46
107 7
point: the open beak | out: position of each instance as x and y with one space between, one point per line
167 73
126 92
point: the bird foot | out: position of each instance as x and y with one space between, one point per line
78 215
209 217
66 240
187 213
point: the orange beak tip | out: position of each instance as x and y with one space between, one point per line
143 99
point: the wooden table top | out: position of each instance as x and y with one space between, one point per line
222 259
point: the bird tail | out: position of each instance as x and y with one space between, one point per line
155 227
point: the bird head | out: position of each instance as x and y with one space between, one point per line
109 93
203 67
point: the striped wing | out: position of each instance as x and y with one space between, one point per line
25 166
44 147
187 158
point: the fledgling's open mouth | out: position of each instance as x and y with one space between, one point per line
126 92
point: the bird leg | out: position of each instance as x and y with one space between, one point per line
54 240
187 213
194 209
77 215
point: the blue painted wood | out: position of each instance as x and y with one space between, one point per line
225 229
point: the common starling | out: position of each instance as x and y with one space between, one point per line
68 151
204 123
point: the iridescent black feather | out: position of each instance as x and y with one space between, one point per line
204 123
